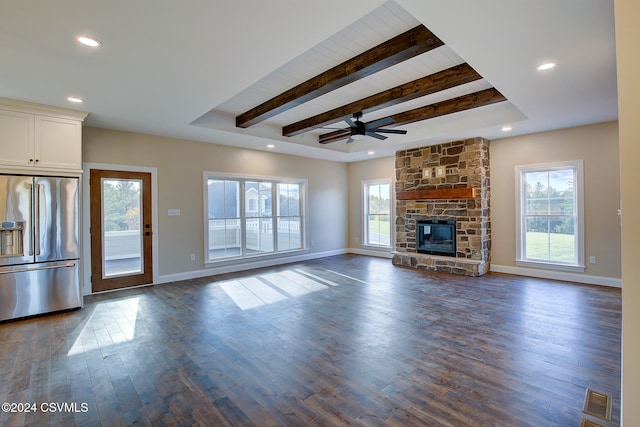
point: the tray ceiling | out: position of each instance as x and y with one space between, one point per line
188 72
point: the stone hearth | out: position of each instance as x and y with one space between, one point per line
466 166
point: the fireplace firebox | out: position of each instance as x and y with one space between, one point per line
437 237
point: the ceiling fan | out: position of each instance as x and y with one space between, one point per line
359 129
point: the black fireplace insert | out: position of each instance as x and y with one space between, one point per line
436 236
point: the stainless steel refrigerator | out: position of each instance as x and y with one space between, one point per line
39 245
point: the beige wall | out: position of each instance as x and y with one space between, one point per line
627 14
369 170
180 165
597 146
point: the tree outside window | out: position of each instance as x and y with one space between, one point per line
121 200
550 214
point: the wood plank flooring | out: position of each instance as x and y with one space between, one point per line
344 340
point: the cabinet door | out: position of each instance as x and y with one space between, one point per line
16 138
58 143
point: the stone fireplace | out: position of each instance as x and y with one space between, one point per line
439 185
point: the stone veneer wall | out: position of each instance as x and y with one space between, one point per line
466 164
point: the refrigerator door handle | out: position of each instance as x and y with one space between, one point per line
48 267
31 218
36 219
36 222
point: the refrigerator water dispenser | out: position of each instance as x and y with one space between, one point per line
11 238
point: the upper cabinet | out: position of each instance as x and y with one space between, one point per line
16 138
38 136
57 143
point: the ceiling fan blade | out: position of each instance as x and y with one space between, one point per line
375 135
380 122
398 131
323 127
349 122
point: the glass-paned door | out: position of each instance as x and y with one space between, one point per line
121 229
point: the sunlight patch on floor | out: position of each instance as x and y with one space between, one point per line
251 293
263 289
110 323
348 277
256 291
317 278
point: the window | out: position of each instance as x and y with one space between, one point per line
224 231
377 213
242 214
289 218
550 206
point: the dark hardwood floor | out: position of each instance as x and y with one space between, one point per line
345 340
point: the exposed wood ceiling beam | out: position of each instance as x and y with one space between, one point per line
407 45
454 105
446 79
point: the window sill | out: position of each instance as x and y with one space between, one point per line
251 258
376 247
551 266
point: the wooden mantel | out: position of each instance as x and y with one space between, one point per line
453 193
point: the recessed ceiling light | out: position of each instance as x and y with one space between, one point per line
547 66
88 41
74 99
270 146
371 152
506 128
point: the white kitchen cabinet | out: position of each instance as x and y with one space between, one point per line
40 137
57 143
16 138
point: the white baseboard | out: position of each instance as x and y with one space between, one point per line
520 271
232 268
371 252
558 275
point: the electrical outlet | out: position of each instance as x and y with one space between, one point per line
193 257
592 259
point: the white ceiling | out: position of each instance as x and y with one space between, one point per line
185 69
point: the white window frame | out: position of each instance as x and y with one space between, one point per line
578 166
365 213
207 175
